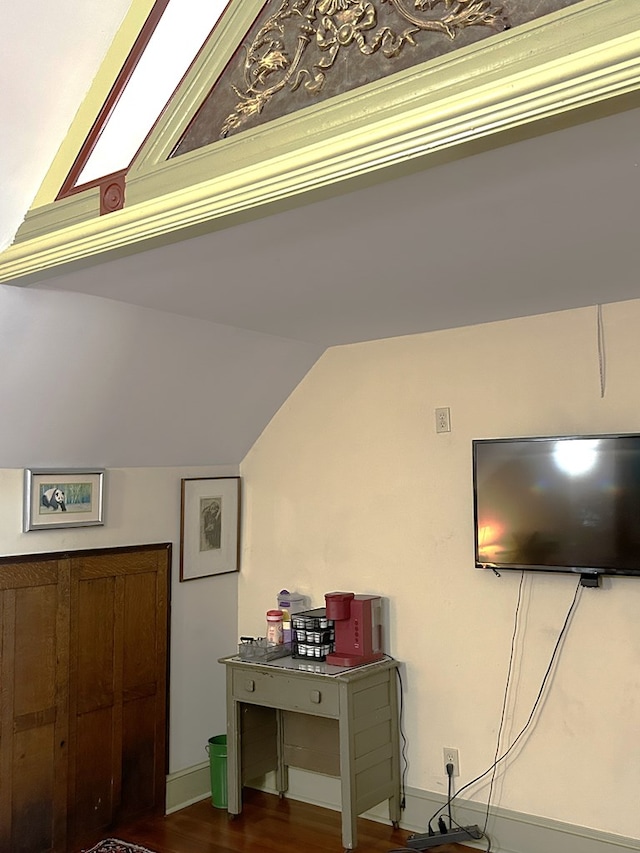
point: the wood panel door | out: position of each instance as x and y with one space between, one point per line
34 637
118 687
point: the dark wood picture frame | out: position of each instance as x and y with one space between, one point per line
209 526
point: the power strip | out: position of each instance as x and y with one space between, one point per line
454 836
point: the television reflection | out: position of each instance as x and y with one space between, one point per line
558 503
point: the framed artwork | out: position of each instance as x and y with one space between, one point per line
209 527
63 497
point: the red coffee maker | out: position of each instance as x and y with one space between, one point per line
358 628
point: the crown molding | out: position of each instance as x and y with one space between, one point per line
583 55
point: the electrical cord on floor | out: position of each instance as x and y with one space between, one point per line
453 824
442 826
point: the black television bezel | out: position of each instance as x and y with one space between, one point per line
590 575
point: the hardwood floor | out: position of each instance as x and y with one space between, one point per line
267 825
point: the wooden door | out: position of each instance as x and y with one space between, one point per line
34 633
118 687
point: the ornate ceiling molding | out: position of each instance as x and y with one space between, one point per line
588 53
297 47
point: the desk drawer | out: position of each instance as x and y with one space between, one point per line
292 693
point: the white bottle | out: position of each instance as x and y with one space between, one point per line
275 632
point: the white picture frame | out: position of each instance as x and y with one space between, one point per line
63 497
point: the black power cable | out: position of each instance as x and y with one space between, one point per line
536 703
403 749
499 758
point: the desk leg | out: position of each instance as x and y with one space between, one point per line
234 763
349 831
349 818
282 771
347 773
395 811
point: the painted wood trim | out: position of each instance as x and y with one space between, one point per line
511 831
186 787
212 60
121 82
585 54
99 89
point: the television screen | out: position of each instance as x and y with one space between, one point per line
558 504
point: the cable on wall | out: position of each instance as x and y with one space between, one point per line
602 361
403 751
503 713
552 661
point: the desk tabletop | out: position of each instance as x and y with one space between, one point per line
321 668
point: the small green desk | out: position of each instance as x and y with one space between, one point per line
334 720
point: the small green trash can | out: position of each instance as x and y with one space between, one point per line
217 750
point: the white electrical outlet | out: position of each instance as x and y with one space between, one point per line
443 419
451 756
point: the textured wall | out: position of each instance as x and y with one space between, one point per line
351 488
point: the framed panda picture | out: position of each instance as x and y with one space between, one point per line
65 497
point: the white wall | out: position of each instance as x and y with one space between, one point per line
142 505
91 381
349 487
51 54
86 381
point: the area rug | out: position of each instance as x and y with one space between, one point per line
114 845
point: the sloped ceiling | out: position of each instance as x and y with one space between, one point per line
542 224
88 381
85 381
541 220
534 219
50 54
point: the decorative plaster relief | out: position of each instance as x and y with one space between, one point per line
301 51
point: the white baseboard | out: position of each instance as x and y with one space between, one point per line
187 787
510 831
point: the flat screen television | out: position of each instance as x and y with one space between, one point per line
558 504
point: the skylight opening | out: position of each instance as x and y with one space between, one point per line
182 30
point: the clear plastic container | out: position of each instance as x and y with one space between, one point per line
292 602
289 603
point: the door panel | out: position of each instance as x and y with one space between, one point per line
139 755
94 771
34 614
94 611
119 640
83 693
